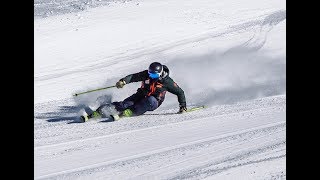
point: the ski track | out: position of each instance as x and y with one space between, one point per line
194 154
56 132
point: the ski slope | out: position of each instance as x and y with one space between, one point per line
228 55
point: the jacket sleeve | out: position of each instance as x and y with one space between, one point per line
140 76
173 88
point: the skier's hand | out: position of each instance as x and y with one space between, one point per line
120 83
182 109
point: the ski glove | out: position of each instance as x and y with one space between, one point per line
182 109
120 83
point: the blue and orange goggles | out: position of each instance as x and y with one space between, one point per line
154 75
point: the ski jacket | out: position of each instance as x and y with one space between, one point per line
156 87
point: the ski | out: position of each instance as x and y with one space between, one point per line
116 117
86 117
195 108
126 113
104 111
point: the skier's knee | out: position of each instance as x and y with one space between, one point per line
122 105
147 104
152 102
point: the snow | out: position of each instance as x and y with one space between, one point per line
228 55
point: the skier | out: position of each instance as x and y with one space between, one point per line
155 83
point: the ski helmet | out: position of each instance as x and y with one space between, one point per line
155 70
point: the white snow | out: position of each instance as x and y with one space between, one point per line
228 55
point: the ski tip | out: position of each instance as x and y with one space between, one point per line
195 108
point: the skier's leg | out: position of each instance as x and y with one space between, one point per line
104 110
147 104
128 103
125 107
122 105
118 107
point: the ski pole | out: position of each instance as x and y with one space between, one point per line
94 90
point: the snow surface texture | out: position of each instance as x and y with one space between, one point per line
228 55
46 8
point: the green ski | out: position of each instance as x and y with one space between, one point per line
125 113
195 108
129 113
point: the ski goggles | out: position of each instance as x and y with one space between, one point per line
154 75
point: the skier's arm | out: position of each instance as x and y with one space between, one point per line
175 89
140 76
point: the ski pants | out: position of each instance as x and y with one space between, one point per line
139 107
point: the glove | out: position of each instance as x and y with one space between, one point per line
120 83
182 109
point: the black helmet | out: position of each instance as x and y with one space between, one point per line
155 70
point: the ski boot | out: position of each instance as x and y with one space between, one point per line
125 113
94 114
